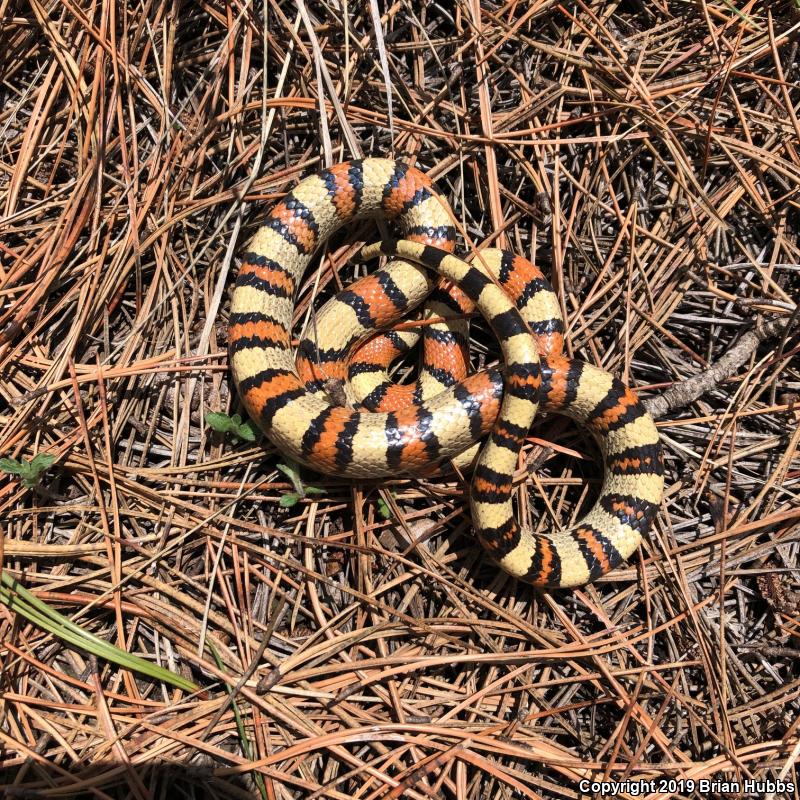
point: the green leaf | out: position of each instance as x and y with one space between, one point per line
29 471
314 490
289 499
247 431
292 472
383 509
41 462
11 466
221 423
18 599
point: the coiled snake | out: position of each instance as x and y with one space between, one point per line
389 430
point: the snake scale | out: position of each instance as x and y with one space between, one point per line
388 430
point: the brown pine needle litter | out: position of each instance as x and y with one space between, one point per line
352 640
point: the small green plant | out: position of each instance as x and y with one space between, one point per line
30 472
383 509
222 423
300 490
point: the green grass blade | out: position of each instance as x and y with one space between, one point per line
17 598
246 749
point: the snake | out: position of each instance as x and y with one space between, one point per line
379 429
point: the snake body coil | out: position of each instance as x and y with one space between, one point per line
414 429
